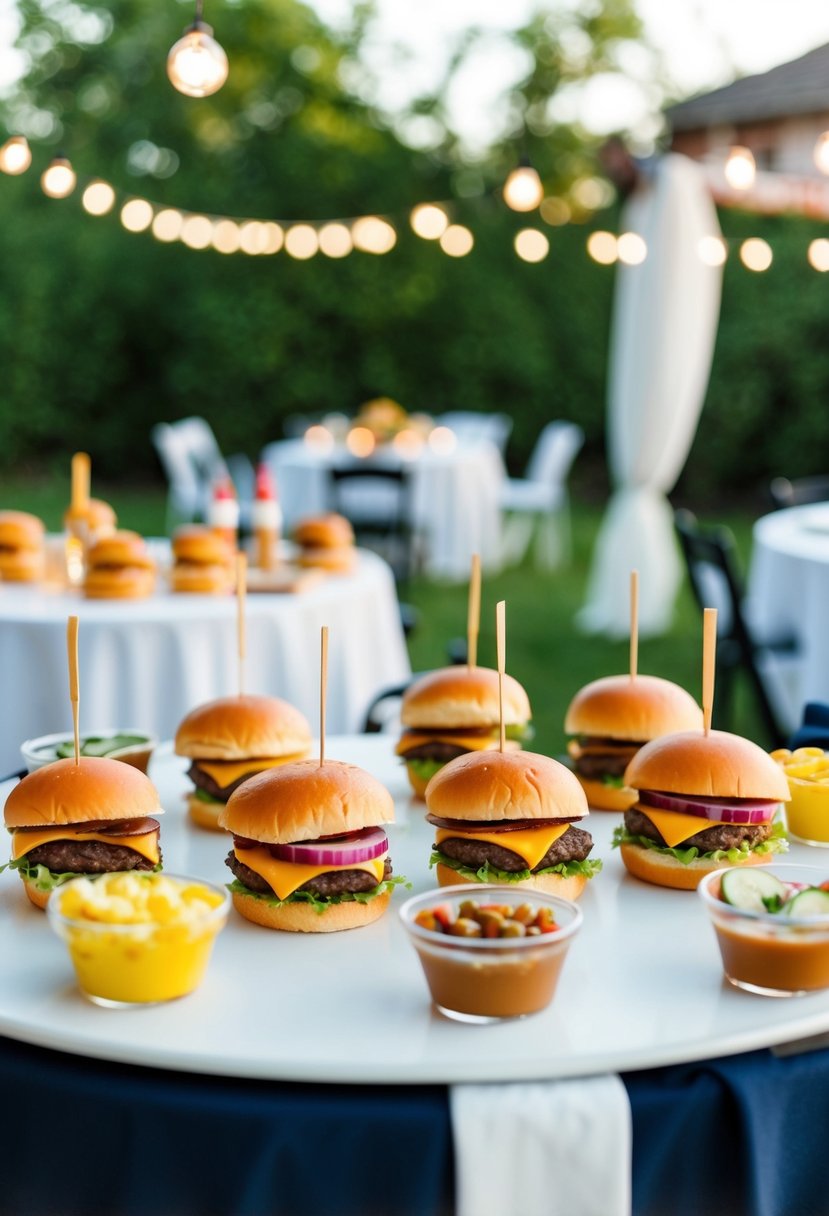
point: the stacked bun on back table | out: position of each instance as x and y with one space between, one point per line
352 1008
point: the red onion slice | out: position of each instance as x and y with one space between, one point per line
343 851
723 810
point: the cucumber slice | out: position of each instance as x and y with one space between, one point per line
751 890
811 902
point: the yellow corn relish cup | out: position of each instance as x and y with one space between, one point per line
136 938
807 814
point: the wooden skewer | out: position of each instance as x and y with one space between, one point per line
323 687
709 659
74 693
473 620
80 480
634 623
241 640
501 651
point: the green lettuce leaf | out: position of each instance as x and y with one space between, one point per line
321 902
203 796
489 873
424 770
776 843
615 783
44 879
522 732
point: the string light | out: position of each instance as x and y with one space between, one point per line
756 254
197 64
301 241
196 232
631 249
821 152
457 241
274 237
58 180
818 254
15 155
360 441
335 240
373 235
522 189
226 237
253 238
167 225
740 169
98 198
531 245
603 248
429 221
712 250
136 215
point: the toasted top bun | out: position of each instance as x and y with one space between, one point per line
463 696
617 707
324 531
120 549
97 514
94 788
20 530
505 785
196 543
243 728
719 765
306 800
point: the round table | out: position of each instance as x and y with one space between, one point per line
788 593
146 663
455 496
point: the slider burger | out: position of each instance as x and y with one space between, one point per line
510 817
203 561
87 818
610 719
119 566
704 802
309 852
232 738
455 710
21 547
326 542
93 519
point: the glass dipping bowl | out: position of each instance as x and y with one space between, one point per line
138 939
771 953
481 980
43 750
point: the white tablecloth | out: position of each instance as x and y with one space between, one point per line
146 663
788 594
456 497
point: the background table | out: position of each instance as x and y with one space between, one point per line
788 595
456 496
146 663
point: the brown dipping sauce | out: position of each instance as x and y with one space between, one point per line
496 983
786 961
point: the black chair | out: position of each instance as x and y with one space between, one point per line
378 502
713 569
800 493
377 714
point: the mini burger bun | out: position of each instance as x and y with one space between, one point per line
243 728
305 800
461 696
643 708
601 797
20 530
335 560
197 543
417 783
550 884
329 531
97 515
128 583
302 918
66 792
21 565
204 814
499 785
198 578
716 765
663 870
39 898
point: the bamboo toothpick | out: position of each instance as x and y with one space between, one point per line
241 639
323 687
501 651
80 480
74 693
634 623
473 619
709 658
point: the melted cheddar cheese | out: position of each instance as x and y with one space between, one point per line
225 772
529 843
471 743
285 877
146 844
675 827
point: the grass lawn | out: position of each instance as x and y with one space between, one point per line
544 650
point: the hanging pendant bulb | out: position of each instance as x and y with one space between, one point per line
15 155
740 168
196 64
522 189
58 179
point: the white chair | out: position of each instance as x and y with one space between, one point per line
471 426
192 460
539 503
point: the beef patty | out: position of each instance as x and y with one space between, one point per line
334 882
722 836
204 782
88 857
573 845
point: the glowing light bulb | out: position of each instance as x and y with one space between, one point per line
197 64
301 241
712 250
58 180
167 225
603 248
429 221
740 169
98 198
631 249
522 189
15 155
335 240
360 441
821 152
196 232
373 235
137 215
755 254
818 254
457 241
531 245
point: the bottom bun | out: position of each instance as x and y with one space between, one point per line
126 583
21 565
601 797
302 917
201 579
39 898
550 884
337 561
665 871
417 783
205 814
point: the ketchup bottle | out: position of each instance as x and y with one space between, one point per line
223 510
267 519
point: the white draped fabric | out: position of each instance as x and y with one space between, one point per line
664 326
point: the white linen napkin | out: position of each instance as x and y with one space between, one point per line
542 1148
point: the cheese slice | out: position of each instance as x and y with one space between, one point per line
146 844
286 876
471 743
529 843
676 827
225 772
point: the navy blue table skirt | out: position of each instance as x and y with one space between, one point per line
743 1136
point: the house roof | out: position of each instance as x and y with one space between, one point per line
798 87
